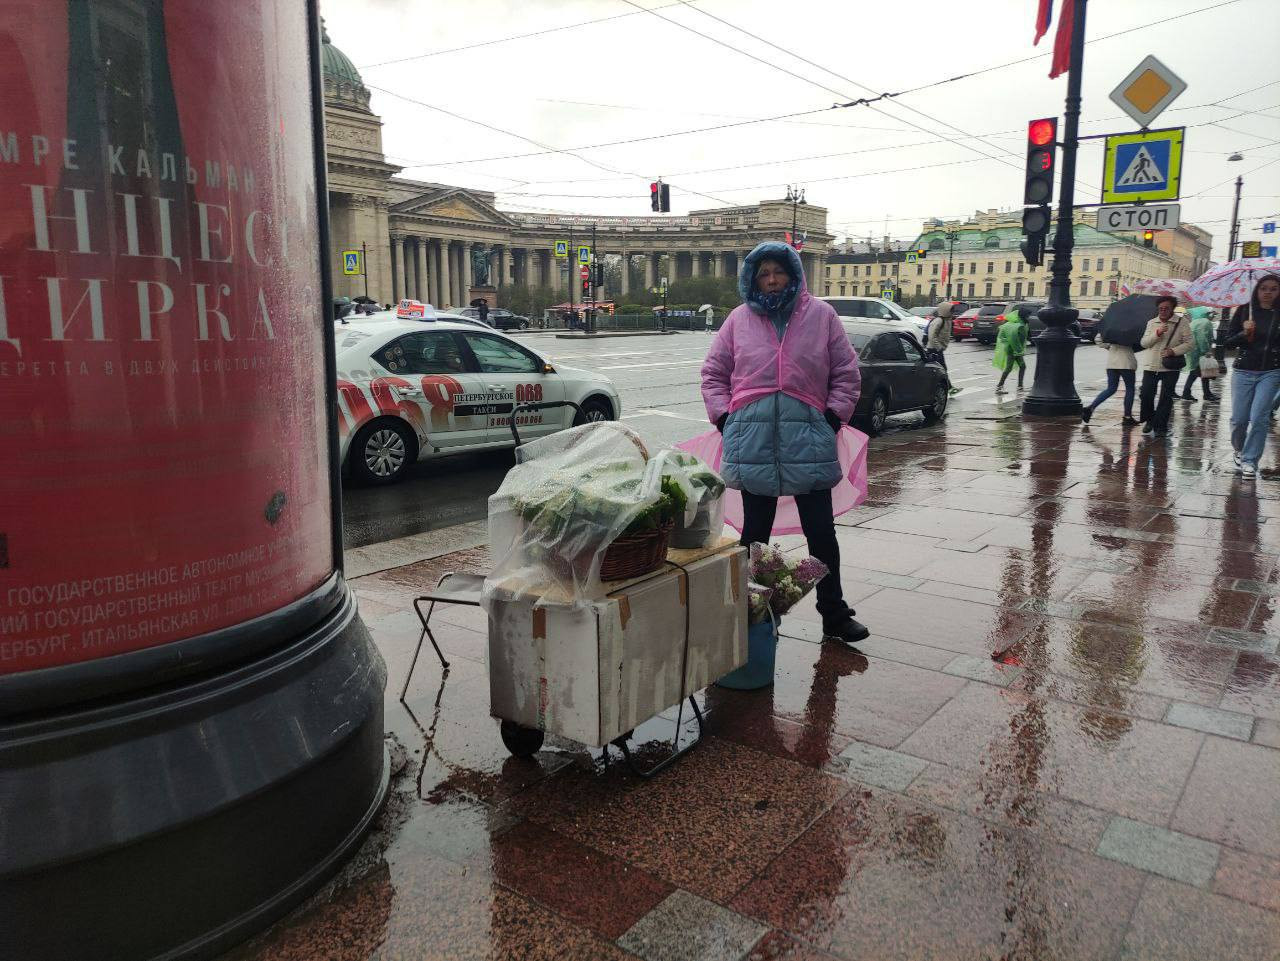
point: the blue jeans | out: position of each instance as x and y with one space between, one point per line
1114 378
1252 394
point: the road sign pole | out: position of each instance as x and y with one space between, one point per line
1053 393
569 271
1235 222
364 266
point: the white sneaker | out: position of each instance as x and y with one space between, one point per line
1248 471
1237 460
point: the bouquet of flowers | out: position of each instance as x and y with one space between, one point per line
786 580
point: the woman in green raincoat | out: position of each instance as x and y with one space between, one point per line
1011 344
1201 346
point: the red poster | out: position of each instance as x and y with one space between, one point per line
162 420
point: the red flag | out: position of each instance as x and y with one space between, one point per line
1062 41
946 270
1044 16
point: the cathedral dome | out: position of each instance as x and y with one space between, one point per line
342 83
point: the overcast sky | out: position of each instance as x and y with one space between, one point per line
643 74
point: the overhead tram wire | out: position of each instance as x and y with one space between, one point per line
545 147
1007 153
508 39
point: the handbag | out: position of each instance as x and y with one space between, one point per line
1177 361
1209 367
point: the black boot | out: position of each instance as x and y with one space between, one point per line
846 630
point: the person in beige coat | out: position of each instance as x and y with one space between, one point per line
1167 336
1121 364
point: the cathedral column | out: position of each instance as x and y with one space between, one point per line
695 265
444 277
397 272
424 285
468 281
650 270
626 275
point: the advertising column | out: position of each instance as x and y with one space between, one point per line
169 530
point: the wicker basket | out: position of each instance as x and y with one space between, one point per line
636 554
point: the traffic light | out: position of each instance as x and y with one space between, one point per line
1037 193
597 273
922 252
1148 238
659 197
586 287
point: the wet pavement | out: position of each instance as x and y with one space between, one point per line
1062 741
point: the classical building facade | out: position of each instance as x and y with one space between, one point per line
437 243
987 263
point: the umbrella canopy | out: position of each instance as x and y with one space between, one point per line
1125 321
1232 284
1163 287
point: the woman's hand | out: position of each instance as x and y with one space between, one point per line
832 419
1249 328
1166 352
1159 330
720 422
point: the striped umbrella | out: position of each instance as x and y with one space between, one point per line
1231 284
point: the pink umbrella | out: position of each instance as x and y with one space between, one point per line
1231 284
1162 287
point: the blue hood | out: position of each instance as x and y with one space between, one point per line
786 255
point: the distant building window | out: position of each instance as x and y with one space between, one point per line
1031 288
895 270
884 270
842 269
919 269
1115 263
1099 266
988 288
1084 288
1097 288
919 290
1021 264
1017 289
1006 289
826 289
991 242
1114 288
1008 266
842 290
868 270
991 267
866 290
935 269
970 289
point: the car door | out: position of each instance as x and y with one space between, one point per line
428 383
891 362
916 374
514 375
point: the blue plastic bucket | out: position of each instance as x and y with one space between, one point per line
762 646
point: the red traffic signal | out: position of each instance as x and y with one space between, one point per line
655 196
1044 131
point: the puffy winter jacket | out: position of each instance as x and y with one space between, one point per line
775 390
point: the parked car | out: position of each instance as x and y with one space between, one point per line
499 318
410 390
874 308
896 377
962 324
988 318
1088 323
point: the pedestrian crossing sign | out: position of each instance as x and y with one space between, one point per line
584 255
351 262
562 250
1142 167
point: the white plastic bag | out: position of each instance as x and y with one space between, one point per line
704 516
1209 367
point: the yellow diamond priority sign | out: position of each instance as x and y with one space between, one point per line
1145 93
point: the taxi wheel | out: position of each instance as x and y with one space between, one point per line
381 452
594 410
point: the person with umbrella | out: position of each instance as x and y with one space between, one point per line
1121 367
1201 347
1170 335
1255 379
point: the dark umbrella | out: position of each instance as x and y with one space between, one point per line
478 301
1125 321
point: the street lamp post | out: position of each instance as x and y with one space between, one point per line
1053 393
795 197
1235 214
951 255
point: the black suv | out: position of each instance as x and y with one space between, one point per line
988 321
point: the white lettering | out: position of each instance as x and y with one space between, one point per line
144 164
263 320
165 224
206 232
249 244
193 177
145 311
212 175
113 159
4 322
59 322
9 149
168 167
204 311
41 217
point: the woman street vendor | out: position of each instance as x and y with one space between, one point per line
779 382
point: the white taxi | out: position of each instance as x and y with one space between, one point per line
413 389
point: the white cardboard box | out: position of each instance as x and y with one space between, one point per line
592 673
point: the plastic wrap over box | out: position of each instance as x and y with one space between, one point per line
594 672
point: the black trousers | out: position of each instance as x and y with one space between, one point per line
1155 414
1193 374
819 526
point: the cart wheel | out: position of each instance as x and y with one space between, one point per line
521 741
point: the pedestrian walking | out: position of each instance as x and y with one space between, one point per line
938 337
1201 319
1167 341
1011 345
1121 367
1255 377
779 382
